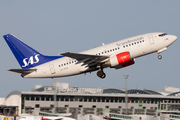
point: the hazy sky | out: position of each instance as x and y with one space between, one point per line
53 27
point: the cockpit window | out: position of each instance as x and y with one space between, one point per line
161 35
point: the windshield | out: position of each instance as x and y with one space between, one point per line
161 35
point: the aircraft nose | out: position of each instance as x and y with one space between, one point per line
173 38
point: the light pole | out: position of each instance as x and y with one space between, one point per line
55 101
126 100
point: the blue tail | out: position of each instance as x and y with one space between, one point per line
25 55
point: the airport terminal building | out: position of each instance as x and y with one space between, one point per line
62 98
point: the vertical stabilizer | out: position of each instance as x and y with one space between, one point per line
25 55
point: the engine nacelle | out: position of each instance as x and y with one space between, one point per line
119 59
131 62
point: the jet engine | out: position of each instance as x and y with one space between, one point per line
120 60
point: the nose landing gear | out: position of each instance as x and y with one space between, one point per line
101 74
161 50
159 57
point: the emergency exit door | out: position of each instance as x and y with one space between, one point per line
52 69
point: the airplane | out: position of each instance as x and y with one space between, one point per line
37 117
116 55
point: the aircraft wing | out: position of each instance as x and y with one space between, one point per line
89 60
22 71
79 56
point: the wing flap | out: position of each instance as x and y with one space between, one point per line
87 59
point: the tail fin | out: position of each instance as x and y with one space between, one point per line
25 55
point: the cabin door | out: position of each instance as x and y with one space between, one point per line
151 40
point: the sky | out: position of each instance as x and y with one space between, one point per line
53 27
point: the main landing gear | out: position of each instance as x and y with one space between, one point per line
101 74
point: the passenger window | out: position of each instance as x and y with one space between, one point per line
64 63
105 51
115 48
72 61
129 44
140 41
102 52
137 42
124 46
118 47
132 43
59 65
99 53
69 62
110 50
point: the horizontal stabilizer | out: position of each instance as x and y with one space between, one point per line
22 71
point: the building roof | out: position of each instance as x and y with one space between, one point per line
13 93
90 90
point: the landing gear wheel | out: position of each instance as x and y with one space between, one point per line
159 57
101 74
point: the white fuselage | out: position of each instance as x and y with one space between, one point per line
137 46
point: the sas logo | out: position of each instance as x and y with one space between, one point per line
31 60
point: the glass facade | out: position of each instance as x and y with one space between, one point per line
159 103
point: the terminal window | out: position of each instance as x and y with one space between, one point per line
27 97
37 98
85 100
37 106
42 98
66 106
67 99
107 100
52 106
32 98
